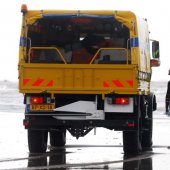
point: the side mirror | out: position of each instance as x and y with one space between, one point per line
155 62
155 49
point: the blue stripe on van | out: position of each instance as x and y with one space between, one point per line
134 42
23 41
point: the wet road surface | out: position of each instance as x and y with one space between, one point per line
101 151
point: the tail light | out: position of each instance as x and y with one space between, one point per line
25 122
122 101
118 100
36 100
130 124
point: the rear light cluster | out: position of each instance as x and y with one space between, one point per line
38 100
118 100
123 101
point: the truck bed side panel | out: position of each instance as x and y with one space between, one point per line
84 79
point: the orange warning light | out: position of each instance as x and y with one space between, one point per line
24 8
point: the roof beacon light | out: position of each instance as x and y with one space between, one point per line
24 8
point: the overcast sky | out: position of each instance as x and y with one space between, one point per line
157 13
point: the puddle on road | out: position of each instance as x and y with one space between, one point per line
67 157
91 158
81 154
72 158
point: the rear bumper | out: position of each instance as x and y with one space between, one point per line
42 122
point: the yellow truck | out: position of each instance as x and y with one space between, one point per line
79 70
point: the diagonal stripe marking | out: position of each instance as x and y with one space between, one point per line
117 83
130 82
25 81
105 84
50 83
38 82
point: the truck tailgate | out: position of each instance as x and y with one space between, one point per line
78 78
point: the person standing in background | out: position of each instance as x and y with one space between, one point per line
167 99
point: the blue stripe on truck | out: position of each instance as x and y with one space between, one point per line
134 42
69 16
23 41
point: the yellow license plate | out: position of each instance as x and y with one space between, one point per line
44 107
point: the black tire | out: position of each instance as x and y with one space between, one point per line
58 138
37 141
148 125
37 160
59 158
132 165
132 142
146 164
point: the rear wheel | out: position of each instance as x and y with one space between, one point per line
58 137
132 142
37 141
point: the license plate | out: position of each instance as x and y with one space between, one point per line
40 107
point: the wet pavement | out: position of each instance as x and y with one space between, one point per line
101 151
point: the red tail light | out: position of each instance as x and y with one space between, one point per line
122 101
25 122
130 124
36 100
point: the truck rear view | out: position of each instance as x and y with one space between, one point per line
79 70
